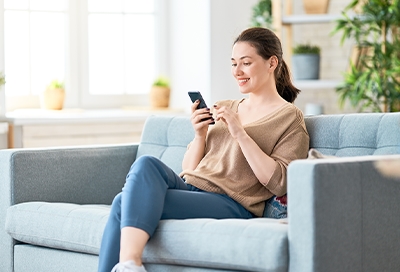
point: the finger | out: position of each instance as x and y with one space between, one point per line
194 105
204 117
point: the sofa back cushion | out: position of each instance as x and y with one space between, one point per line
355 134
166 138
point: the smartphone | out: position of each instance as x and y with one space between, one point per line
197 96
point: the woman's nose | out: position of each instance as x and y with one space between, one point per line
237 71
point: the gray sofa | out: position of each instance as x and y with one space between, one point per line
343 214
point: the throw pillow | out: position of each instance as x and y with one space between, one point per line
315 154
276 207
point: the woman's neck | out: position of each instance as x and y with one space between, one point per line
264 99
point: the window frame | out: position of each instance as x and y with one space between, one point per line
77 70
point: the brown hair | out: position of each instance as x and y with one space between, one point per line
267 45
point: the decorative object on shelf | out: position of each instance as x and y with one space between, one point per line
315 6
306 61
160 93
262 14
373 83
314 109
52 98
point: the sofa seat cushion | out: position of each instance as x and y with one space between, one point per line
58 225
223 244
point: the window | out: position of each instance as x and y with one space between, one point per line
104 50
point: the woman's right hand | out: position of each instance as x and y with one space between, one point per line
200 127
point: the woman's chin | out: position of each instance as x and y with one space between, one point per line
244 90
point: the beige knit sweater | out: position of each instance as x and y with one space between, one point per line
282 135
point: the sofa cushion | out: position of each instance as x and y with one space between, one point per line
170 145
194 242
356 134
58 225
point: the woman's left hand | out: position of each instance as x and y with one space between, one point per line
231 119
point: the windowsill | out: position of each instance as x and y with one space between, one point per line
40 116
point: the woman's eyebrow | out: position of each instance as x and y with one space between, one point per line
242 57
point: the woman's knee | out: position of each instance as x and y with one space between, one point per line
144 164
116 204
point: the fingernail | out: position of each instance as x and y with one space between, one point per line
215 106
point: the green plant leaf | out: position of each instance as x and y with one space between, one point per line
161 81
374 83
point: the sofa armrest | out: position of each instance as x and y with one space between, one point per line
343 215
82 175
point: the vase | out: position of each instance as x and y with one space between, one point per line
159 97
315 6
52 99
305 66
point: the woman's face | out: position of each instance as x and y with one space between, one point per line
250 70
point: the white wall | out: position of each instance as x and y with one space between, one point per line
200 43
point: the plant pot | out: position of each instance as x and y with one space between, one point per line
315 6
159 97
52 99
305 66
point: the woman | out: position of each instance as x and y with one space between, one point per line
229 170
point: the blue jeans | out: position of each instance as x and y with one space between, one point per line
152 192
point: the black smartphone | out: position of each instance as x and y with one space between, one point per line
197 96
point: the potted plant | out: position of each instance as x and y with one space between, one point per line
160 93
52 98
306 62
373 83
262 14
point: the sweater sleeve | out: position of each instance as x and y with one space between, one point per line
293 145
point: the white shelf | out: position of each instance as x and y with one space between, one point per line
316 84
309 19
74 116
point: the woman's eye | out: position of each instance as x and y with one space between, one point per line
234 64
246 63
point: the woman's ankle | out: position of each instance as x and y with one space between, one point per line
136 259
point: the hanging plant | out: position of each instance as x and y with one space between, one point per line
373 83
262 14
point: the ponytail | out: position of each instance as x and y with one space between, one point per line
284 84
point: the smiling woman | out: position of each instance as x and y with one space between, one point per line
105 51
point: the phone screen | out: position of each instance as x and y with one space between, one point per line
197 96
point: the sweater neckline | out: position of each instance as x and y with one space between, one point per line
263 118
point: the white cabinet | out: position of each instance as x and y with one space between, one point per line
38 128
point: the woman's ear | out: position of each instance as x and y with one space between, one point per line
273 62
